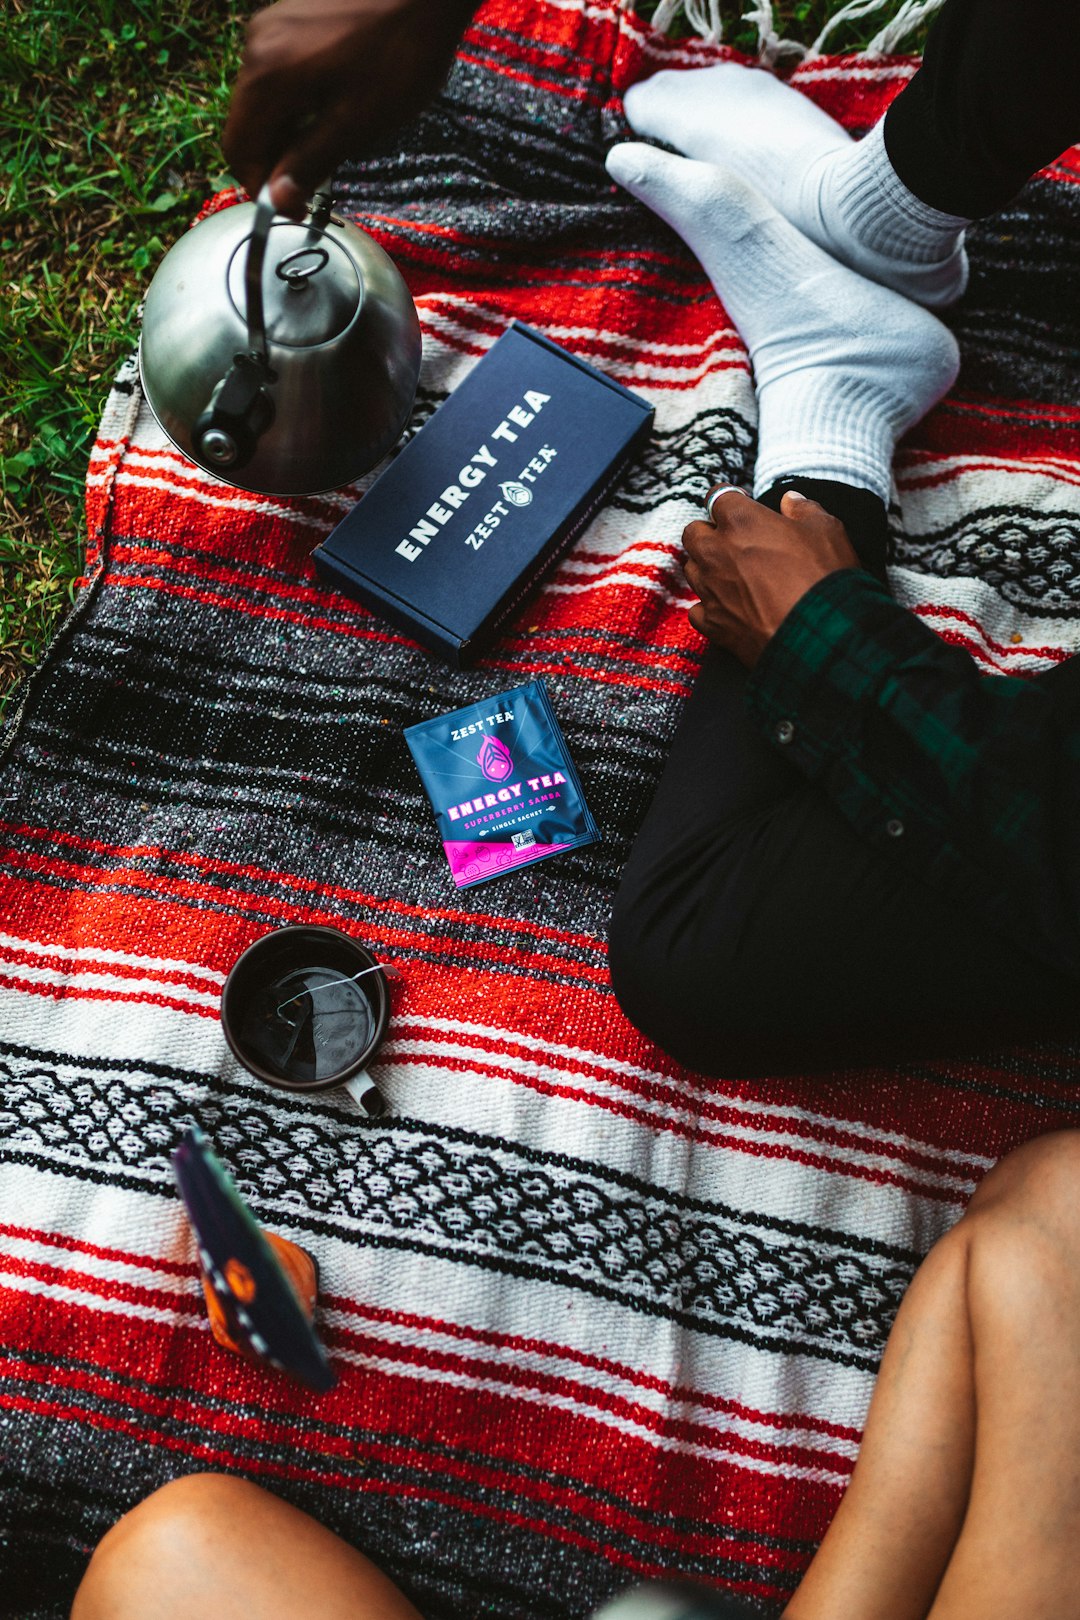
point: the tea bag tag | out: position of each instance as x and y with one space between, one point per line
364 1093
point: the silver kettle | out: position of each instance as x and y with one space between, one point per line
281 357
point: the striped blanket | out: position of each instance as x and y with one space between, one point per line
595 1317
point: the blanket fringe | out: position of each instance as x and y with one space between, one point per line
854 11
907 19
771 47
704 17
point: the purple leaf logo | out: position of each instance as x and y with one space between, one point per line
494 759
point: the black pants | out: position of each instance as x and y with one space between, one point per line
754 930
997 98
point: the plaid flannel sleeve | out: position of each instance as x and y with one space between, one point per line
973 783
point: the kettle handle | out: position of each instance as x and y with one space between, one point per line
253 276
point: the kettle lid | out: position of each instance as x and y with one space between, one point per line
311 286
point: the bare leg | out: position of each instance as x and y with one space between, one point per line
966 1498
965 1501
209 1544
1018 1550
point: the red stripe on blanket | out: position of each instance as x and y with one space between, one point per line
479 1442
443 1329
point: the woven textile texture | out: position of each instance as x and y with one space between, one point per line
594 1317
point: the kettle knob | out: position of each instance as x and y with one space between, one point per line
240 409
217 446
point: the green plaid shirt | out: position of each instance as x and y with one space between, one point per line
974 782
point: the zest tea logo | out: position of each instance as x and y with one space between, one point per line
473 474
494 759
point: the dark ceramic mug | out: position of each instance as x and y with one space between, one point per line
306 1008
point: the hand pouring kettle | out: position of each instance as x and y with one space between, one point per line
281 357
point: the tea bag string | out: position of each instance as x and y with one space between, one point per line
348 978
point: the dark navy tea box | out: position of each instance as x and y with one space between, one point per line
504 476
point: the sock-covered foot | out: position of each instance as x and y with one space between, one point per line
844 195
842 366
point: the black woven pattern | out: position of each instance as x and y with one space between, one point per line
1031 558
529 1214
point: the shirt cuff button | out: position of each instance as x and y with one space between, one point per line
785 731
895 828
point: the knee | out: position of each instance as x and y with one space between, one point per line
689 983
657 979
639 965
168 1537
1036 1182
1023 1223
177 1513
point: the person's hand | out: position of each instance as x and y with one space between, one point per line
752 565
321 79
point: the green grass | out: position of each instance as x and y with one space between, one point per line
110 113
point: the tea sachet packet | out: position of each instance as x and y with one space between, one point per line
501 783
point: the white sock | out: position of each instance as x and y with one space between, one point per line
844 194
843 367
